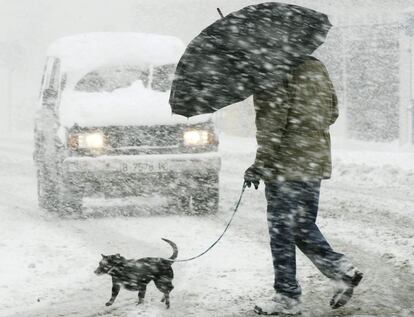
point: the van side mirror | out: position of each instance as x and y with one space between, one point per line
49 97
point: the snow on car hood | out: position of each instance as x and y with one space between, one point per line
134 105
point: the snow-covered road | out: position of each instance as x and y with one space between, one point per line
47 262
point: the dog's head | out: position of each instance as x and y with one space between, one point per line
108 264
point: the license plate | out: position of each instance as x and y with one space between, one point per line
144 167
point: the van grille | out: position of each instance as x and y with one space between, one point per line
137 140
144 136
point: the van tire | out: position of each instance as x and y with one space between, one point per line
46 193
180 204
70 198
206 197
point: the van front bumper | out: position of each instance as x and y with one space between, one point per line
139 174
143 164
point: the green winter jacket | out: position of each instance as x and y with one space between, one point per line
293 122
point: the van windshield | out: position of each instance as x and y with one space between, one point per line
108 79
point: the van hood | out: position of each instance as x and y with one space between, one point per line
131 106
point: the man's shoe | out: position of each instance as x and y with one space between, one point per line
345 288
280 305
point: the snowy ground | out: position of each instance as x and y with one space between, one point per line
367 212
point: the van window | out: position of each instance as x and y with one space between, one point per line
55 76
111 78
50 74
163 77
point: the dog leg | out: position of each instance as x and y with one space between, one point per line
165 286
141 294
167 299
115 292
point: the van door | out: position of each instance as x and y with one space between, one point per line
47 121
46 116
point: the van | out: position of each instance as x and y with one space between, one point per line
104 126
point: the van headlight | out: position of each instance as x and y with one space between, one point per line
196 137
92 141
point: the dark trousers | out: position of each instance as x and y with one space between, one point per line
291 213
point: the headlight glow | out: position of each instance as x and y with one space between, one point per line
196 137
91 140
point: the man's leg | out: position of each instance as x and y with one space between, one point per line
310 240
282 205
312 243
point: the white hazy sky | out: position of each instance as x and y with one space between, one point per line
49 19
33 24
28 26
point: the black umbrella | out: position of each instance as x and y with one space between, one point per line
246 51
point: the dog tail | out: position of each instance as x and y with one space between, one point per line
174 247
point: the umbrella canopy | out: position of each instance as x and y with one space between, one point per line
248 50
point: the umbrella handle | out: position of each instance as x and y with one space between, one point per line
219 11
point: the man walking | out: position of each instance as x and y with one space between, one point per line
293 156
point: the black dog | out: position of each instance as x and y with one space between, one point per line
134 275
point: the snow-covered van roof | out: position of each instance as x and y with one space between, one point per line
136 104
82 53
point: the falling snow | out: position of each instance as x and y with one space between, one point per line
94 161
